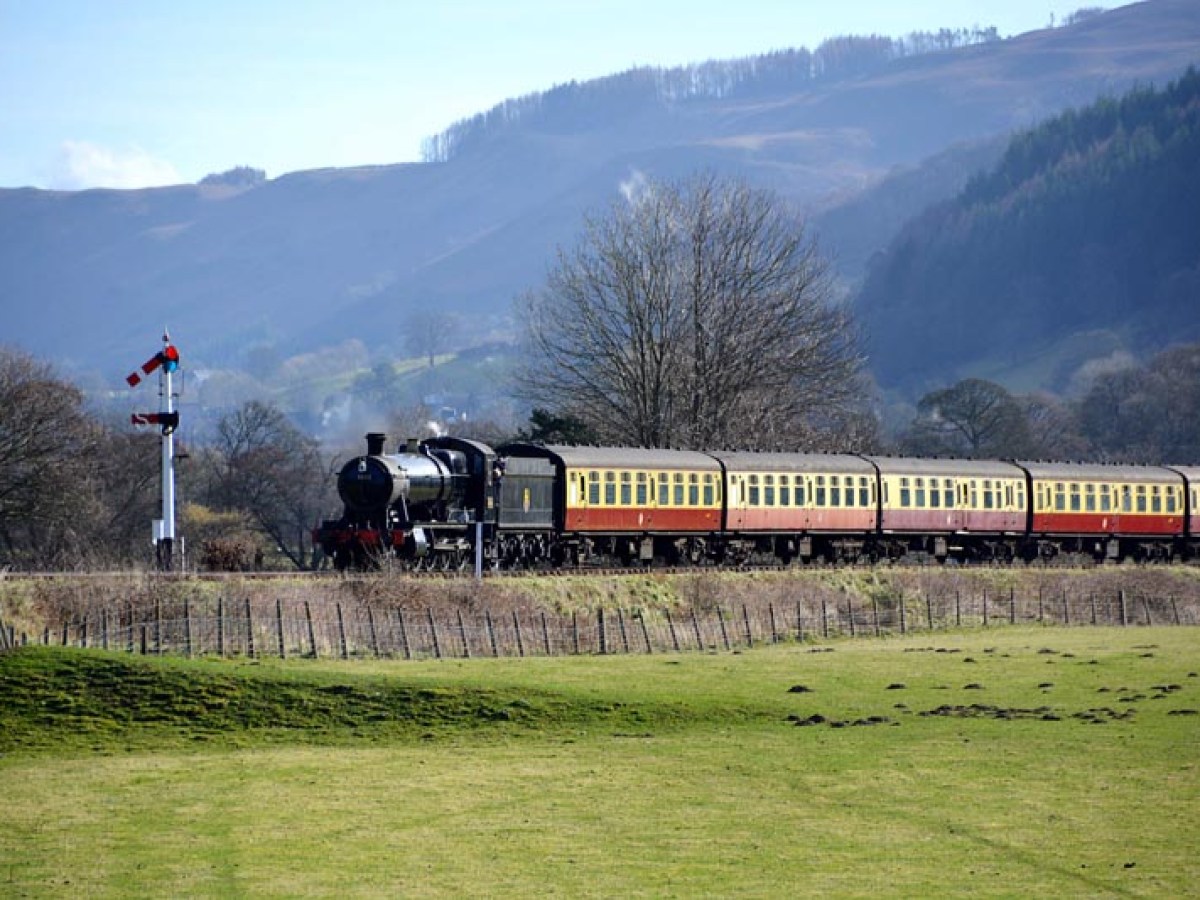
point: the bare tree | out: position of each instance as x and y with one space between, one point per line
697 314
46 440
266 467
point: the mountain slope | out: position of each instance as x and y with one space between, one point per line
1087 224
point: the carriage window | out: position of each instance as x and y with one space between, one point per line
754 492
799 493
835 491
1089 497
1155 500
1075 499
905 493
785 490
820 498
987 494
1126 500
920 492
1141 498
593 487
1060 496
664 490
948 493
641 488
1105 499
610 488
769 489
678 489
1171 500
1020 497
708 490
864 492
974 495
935 496
693 489
626 489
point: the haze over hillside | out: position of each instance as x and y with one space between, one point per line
385 255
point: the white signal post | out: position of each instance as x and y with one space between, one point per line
167 543
166 361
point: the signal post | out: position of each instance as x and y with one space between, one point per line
166 361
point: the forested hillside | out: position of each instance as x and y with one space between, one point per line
1088 225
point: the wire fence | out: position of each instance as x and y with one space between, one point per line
346 629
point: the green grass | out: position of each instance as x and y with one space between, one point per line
1016 762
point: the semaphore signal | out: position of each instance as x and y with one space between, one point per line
165 362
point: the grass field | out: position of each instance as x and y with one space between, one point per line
1013 762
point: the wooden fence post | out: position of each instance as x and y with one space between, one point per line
517 628
724 633
799 622
404 634
130 646
575 631
1092 601
345 651
929 610
1066 609
774 630
158 635
220 626
83 632
462 631
603 635
1146 609
249 630
187 627
312 637
875 613
746 619
491 630
985 609
645 633
546 634
1121 605
104 628
621 628
374 633
1041 608
1175 610
671 626
1012 606
437 644
903 615
279 628
824 620
957 609
696 629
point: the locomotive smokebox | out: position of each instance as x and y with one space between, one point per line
375 441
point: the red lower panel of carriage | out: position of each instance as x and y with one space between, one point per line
608 520
1074 523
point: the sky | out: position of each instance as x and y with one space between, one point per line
138 93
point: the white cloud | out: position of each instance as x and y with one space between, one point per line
81 164
634 188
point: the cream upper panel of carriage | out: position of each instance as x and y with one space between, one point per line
743 462
1052 471
946 468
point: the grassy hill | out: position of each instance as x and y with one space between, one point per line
1020 761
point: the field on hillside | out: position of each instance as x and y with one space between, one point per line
1019 761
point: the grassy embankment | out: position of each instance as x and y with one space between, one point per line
1022 761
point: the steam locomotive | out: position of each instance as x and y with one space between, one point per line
437 503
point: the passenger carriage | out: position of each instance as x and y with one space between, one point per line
1108 511
798 504
965 509
1191 505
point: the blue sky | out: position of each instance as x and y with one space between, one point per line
133 93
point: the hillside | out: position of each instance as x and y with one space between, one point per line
1087 224
308 260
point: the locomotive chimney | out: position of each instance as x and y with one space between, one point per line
375 441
